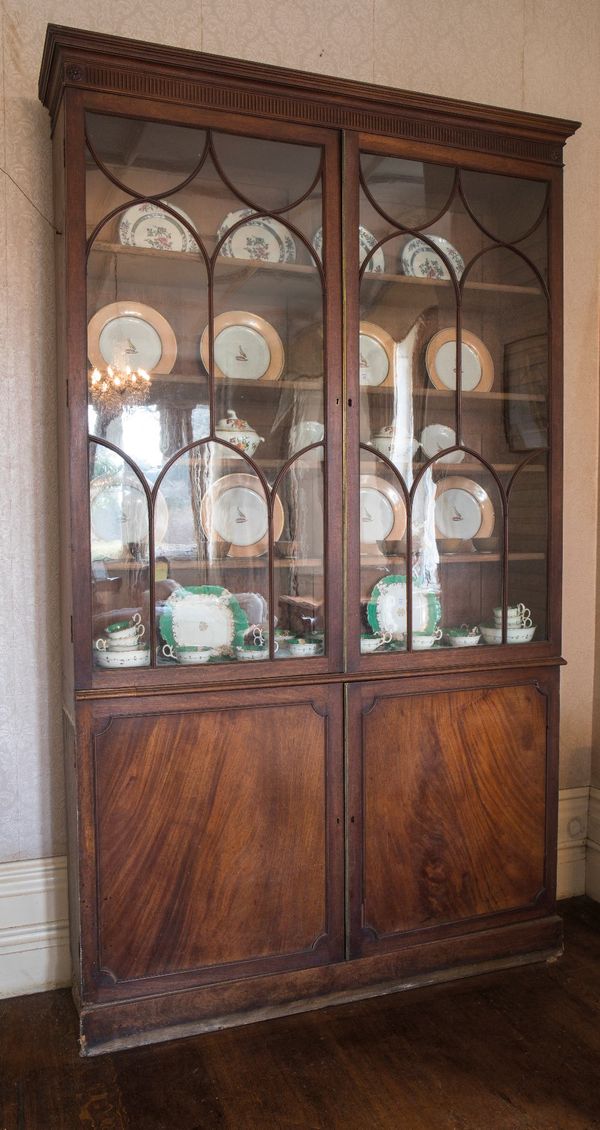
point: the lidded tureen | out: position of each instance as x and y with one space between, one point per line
238 432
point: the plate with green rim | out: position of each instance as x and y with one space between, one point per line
203 616
386 610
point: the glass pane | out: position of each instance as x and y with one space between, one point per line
146 157
382 516
528 544
299 581
506 207
119 562
411 193
212 581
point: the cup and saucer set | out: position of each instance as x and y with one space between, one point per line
121 646
286 645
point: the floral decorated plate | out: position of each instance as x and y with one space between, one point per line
262 238
420 260
150 225
203 616
386 610
366 243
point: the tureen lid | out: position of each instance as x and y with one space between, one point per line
232 423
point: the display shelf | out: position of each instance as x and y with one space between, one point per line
471 558
373 277
441 394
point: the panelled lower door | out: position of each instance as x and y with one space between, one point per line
449 822
218 838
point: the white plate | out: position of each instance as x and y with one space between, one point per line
437 437
376 356
234 509
150 225
366 243
139 658
477 366
119 513
262 238
382 512
246 347
421 261
131 333
463 509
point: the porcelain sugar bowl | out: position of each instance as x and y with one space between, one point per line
238 432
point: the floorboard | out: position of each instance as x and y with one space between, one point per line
518 1049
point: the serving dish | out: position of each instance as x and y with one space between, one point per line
438 437
387 608
246 347
204 616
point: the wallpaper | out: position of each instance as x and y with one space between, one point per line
517 54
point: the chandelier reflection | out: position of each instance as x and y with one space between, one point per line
119 387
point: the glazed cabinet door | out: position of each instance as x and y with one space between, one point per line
212 399
450 829
453 354
216 833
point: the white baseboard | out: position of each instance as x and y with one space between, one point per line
34 931
572 836
592 884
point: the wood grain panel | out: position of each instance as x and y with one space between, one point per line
212 846
453 816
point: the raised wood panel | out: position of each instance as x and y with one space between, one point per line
212 843
452 826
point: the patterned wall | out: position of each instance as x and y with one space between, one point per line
520 53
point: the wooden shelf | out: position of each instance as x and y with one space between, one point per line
410 280
246 268
436 393
472 558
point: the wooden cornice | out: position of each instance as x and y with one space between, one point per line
91 61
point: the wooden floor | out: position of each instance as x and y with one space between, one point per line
516 1049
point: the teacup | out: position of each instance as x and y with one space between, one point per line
421 641
122 628
246 653
188 654
463 636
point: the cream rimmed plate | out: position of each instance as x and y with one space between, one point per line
150 225
119 512
203 616
366 243
262 238
463 509
476 362
246 347
422 261
436 438
376 356
382 512
131 334
387 608
234 509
